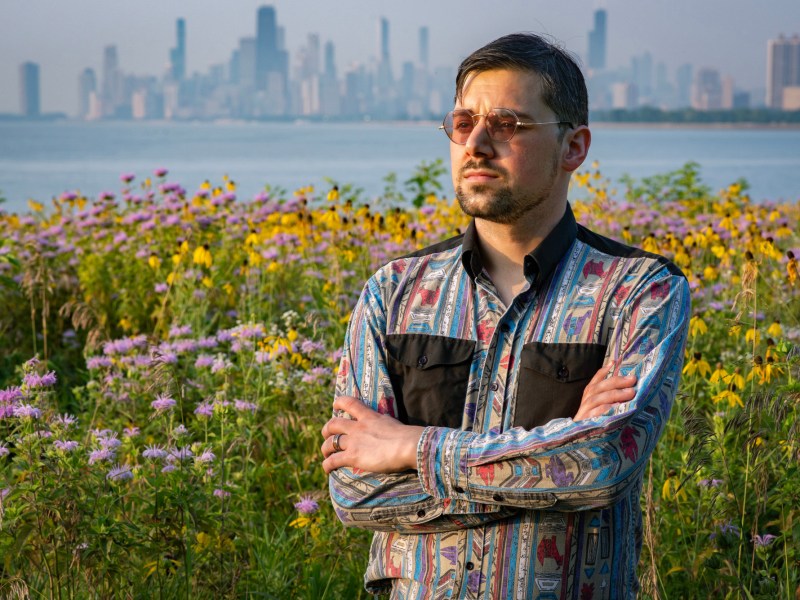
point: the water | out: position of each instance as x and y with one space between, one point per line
41 160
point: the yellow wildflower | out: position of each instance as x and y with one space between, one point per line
251 239
758 371
710 273
775 329
697 366
718 375
792 268
207 282
202 256
35 206
727 223
729 396
125 323
735 381
752 335
672 487
697 326
333 194
771 369
300 522
626 234
154 262
734 330
650 244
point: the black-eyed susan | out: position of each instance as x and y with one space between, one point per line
154 261
730 396
719 374
791 268
202 256
757 371
775 329
697 366
697 326
735 381
333 194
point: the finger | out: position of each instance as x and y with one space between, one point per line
599 403
336 425
353 407
333 462
327 446
612 383
602 373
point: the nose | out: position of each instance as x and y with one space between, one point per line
479 143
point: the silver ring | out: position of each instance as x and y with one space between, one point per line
335 440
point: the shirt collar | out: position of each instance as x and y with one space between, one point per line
539 263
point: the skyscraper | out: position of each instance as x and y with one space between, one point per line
29 105
87 88
177 56
597 41
423 48
783 70
266 45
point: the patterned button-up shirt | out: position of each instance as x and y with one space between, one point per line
511 497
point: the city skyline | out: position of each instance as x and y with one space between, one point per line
403 44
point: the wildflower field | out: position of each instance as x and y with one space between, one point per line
167 360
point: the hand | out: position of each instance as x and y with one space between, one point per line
602 394
370 441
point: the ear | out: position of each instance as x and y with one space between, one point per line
576 147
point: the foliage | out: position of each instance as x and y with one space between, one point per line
195 338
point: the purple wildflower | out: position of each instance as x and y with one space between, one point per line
242 406
168 469
205 409
204 360
154 452
131 431
27 411
3 450
127 177
178 454
161 288
34 380
307 505
220 493
119 473
102 454
206 457
65 421
162 404
97 362
160 172
710 483
66 445
180 331
761 541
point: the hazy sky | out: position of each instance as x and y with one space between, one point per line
66 36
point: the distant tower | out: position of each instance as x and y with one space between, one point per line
597 41
87 87
29 104
384 40
330 60
385 78
178 54
266 45
423 48
683 77
783 70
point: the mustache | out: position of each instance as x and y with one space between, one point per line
482 166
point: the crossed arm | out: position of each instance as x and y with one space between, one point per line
390 476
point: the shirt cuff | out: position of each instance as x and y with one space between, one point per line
442 462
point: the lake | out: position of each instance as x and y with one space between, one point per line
42 159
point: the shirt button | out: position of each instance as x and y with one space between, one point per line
563 372
470 565
497 497
458 489
422 361
420 513
495 386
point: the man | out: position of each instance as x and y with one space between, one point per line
473 430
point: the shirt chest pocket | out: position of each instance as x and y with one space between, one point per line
429 375
551 380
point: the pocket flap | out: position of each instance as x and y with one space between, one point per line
424 351
563 362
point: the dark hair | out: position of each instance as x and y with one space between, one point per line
563 86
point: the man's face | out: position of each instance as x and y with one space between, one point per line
502 181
